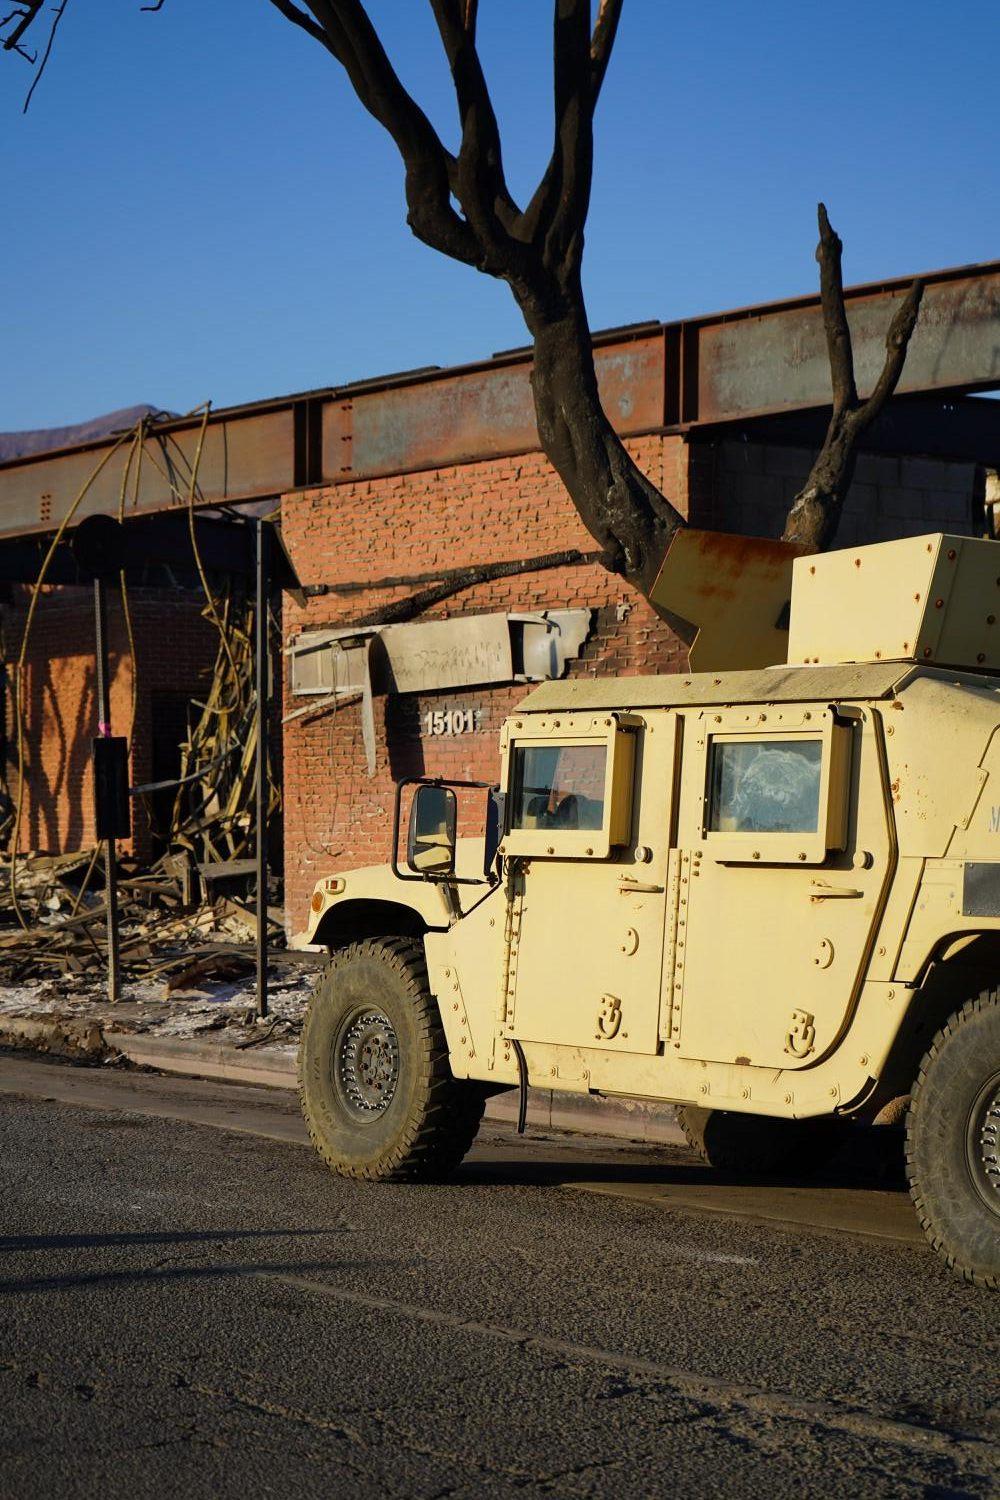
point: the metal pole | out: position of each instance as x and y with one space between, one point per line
104 729
262 537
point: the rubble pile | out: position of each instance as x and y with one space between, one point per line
208 1008
195 904
162 932
188 966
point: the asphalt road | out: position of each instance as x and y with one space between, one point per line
191 1305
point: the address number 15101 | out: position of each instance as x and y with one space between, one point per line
452 720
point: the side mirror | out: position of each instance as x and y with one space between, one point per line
431 839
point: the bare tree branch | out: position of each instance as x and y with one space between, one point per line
573 149
43 64
299 18
605 30
573 139
838 334
343 27
483 571
456 22
815 512
477 177
538 253
897 342
25 17
538 216
461 579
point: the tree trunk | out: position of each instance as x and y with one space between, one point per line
624 512
815 513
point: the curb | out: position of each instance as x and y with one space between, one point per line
218 1061
625 1119
58 1036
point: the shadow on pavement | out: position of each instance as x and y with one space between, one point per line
9 1243
873 1162
154 1275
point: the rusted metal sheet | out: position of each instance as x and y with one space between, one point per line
244 457
479 413
776 360
734 591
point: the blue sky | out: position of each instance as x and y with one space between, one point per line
197 207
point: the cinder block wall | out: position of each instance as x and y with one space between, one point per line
335 815
748 487
175 650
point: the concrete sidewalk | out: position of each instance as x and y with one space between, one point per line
96 1039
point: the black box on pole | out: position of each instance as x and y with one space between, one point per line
112 809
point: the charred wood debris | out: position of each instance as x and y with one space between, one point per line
186 918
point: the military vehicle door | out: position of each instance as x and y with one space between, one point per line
785 859
587 917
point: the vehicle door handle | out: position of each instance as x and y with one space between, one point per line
626 886
823 892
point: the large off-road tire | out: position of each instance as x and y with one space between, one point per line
759 1145
374 1078
953 1141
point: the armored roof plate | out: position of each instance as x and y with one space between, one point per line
766 685
932 599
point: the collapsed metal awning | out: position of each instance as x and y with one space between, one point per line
334 665
154 551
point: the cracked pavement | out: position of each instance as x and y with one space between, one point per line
185 1310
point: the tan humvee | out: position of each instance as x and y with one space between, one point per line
769 896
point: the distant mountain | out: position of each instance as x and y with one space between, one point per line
22 444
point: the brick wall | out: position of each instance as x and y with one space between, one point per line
335 815
175 649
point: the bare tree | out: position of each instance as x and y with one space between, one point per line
459 203
815 512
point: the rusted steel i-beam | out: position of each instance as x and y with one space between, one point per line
727 367
774 359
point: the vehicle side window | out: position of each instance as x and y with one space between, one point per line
558 786
765 786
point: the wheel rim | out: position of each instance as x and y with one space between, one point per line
983 1143
366 1063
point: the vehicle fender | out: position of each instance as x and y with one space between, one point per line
941 922
359 897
